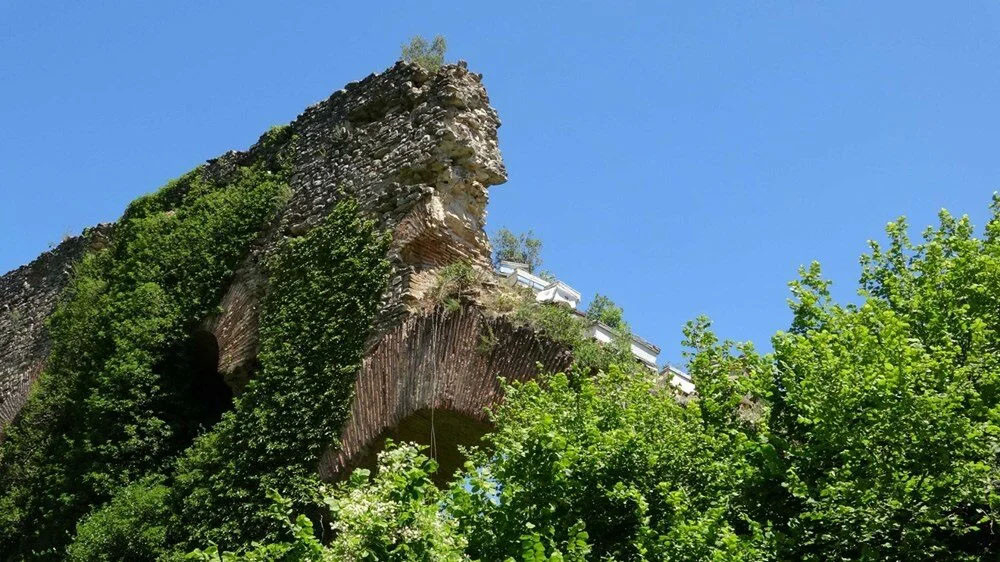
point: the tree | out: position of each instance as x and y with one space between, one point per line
430 57
885 413
606 462
604 310
523 248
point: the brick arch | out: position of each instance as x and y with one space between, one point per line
436 362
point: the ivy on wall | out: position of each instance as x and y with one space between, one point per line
323 293
114 401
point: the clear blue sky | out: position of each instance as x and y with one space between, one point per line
684 159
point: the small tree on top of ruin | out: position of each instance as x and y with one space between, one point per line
429 56
522 247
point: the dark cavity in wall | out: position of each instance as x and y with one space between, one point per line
208 389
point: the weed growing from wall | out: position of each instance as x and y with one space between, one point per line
430 57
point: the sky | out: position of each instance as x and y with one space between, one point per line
682 158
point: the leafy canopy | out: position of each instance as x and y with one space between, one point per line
871 433
604 310
886 413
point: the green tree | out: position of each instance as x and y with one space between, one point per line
606 467
604 310
522 247
429 56
886 412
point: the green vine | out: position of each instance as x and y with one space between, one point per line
112 405
323 294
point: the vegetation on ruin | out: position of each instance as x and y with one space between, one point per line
322 289
520 247
870 433
460 282
429 56
456 282
114 402
219 491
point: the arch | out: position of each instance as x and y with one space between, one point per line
437 362
439 432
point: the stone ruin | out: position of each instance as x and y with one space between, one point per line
418 150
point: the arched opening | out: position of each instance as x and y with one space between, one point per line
440 432
209 394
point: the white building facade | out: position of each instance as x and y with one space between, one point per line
678 379
553 290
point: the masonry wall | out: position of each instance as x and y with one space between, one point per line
444 362
418 150
28 295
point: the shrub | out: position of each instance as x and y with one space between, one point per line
557 321
130 527
456 281
396 516
301 545
430 57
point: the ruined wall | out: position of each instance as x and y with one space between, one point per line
418 150
445 362
28 295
